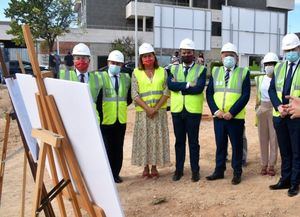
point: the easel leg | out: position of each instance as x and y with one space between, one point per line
39 178
4 151
24 186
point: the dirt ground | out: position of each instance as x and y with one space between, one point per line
183 198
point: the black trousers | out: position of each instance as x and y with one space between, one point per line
186 124
233 129
113 137
288 136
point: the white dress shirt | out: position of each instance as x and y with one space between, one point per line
86 76
264 88
113 79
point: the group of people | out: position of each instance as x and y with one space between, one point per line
227 95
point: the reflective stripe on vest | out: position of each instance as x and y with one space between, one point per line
114 106
280 75
192 103
150 91
93 81
225 97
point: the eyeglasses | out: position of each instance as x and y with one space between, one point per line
86 58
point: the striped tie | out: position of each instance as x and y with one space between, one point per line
227 77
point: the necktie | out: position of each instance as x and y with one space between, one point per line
82 78
116 84
186 70
227 77
287 84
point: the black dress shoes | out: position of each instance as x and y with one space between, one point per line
195 176
236 180
118 179
215 176
177 176
280 185
293 190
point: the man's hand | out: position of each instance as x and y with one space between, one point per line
293 107
282 109
219 114
192 84
227 116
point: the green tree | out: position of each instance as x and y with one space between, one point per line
125 45
47 19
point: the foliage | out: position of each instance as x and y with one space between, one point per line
47 19
125 45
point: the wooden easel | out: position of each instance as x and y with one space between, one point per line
27 155
51 121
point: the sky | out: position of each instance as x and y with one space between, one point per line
293 16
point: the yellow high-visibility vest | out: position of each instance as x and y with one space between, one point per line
114 106
150 91
280 75
192 103
225 97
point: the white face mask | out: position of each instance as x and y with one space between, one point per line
269 70
229 62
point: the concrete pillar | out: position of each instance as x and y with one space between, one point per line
144 24
191 3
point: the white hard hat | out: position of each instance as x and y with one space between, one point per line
146 48
187 44
270 57
81 50
290 41
229 47
116 56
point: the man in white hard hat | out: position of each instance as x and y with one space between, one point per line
264 109
286 82
81 54
227 94
186 82
112 107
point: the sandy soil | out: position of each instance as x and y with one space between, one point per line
184 198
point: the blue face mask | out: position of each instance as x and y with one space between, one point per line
114 69
229 62
292 56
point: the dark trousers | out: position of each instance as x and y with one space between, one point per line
185 123
234 130
288 136
113 137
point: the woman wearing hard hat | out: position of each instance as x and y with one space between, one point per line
150 93
285 82
112 106
264 109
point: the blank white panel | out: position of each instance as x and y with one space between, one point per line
167 17
167 38
281 23
225 18
246 20
234 19
225 36
235 38
261 43
157 17
199 19
199 39
262 21
208 20
273 43
208 41
181 34
156 37
183 18
274 22
248 46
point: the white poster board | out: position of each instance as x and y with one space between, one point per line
75 105
25 123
